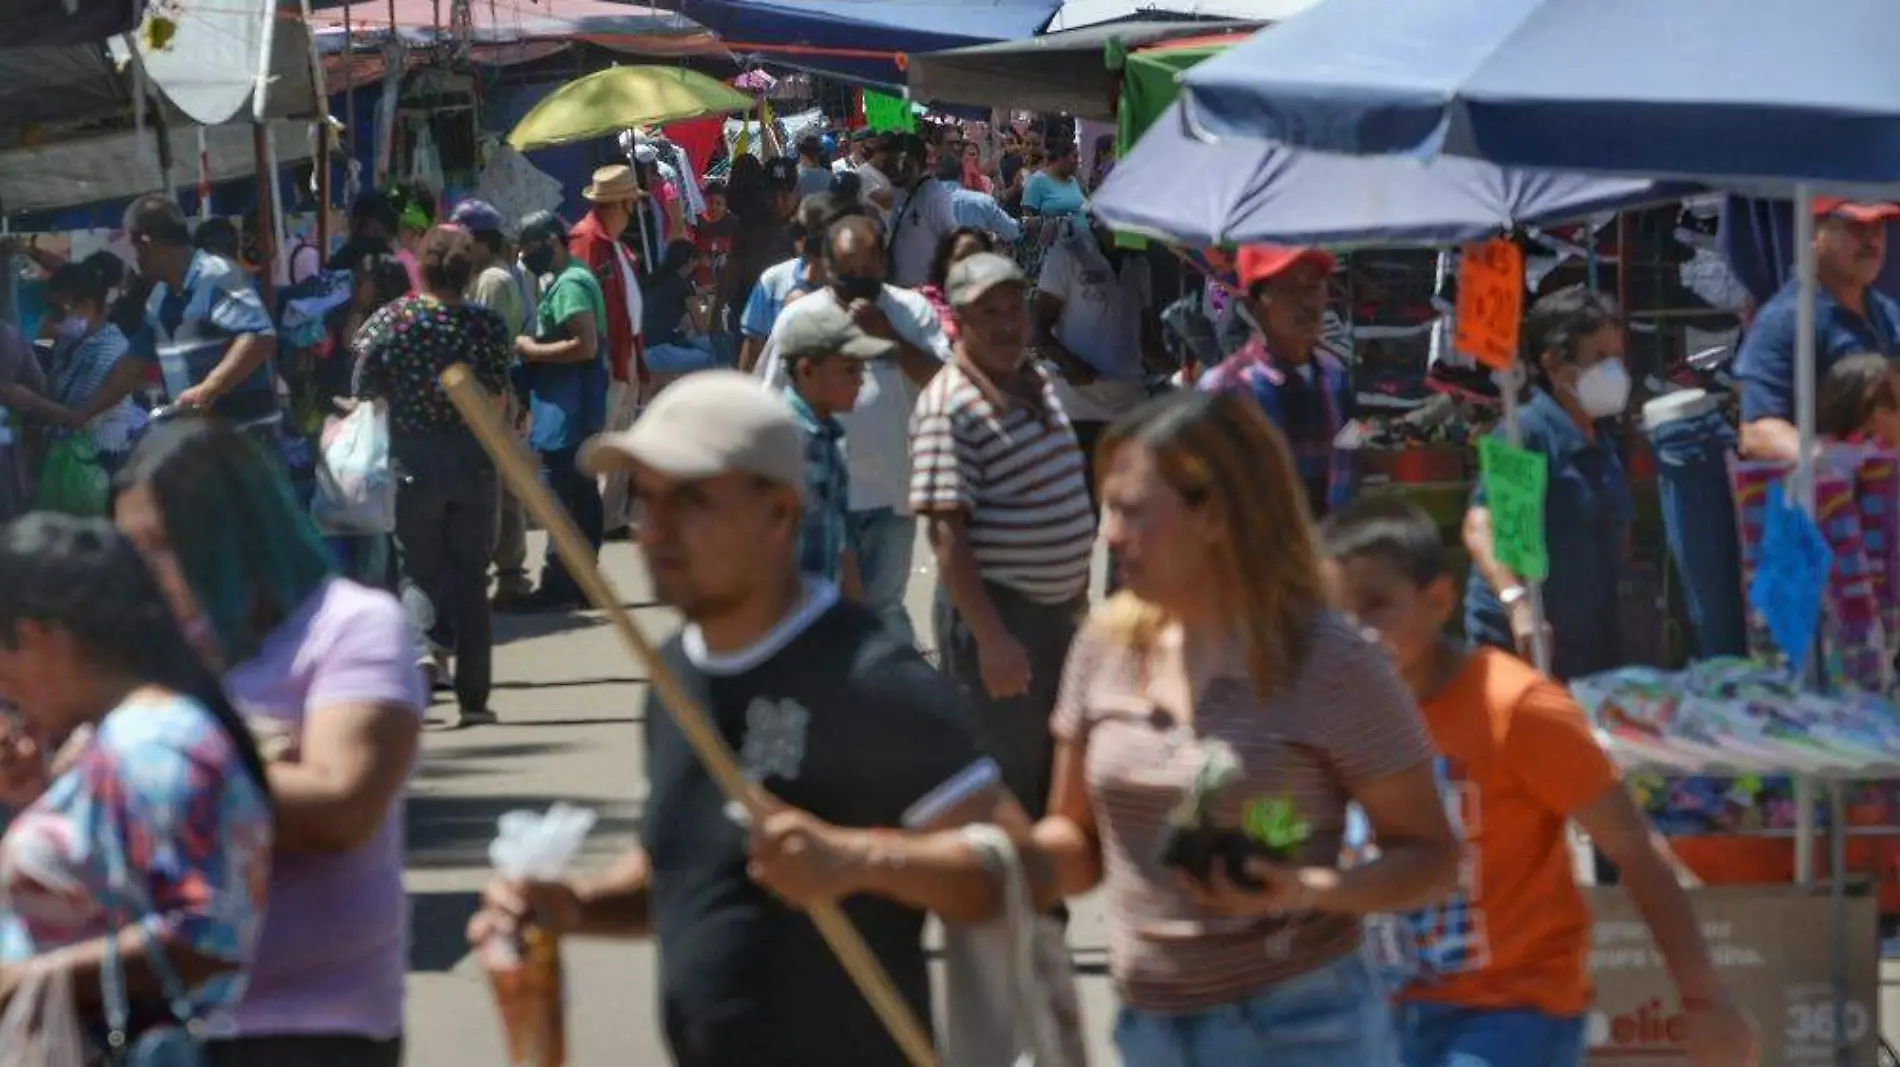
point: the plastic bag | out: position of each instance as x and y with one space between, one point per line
72 481
1009 983
40 1027
525 975
356 490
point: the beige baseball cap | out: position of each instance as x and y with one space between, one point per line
706 424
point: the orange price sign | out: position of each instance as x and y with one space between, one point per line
1490 302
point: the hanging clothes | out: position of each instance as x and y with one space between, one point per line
698 140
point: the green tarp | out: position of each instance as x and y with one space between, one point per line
1150 82
888 114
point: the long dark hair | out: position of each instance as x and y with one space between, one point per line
940 259
249 552
83 577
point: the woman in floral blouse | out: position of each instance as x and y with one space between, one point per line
142 845
447 502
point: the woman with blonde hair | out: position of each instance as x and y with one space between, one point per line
1216 719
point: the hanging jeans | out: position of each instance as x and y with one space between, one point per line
1699 522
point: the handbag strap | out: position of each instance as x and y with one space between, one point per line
128 901
1019 911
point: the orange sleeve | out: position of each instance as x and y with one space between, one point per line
1549 745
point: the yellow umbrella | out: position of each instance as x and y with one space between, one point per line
611 100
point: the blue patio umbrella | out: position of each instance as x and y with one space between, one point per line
1738 90
1241 190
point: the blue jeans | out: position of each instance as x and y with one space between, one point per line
884 542
1333 1016
1444 1035
691 354
1699 524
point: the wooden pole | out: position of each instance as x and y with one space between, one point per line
266 211
477 409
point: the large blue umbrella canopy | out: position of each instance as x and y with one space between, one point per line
1745 90
844 36
1242 190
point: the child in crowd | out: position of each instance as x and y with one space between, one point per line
824 353
1860 401
1500 976
713 234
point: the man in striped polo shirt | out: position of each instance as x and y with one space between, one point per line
205 324
997 475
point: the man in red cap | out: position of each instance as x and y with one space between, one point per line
1850 317
1300 384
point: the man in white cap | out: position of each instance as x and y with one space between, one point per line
832 716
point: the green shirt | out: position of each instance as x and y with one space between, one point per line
573 290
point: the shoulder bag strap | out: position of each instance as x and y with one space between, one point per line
128 904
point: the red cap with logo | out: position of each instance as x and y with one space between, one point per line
1855 211
1261 263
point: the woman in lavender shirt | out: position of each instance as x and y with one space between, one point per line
323 671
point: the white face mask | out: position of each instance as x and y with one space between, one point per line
1603 391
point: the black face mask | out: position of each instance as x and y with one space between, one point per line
538 260
850 287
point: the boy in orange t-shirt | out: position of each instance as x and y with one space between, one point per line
1502 966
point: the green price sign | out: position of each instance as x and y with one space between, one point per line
1514 481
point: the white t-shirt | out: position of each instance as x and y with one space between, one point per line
1102 314
877 431
916 229
871 180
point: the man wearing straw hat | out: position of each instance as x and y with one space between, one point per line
595 241
840 722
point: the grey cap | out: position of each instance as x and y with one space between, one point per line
707 424
819 327
978 274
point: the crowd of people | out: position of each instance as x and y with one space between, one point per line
219 703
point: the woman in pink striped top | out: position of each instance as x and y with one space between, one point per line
1219 690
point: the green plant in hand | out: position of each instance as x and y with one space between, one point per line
1275 824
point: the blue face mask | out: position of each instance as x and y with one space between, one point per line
73 329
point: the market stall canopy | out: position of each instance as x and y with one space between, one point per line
1741 90
110 167
626 27
1151 80
207 65
864 39
1067 71
1076 14
1243 190
42 89
39 23
59 83
609 101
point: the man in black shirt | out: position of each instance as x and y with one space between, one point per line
845 727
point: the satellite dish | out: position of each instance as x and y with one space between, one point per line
209 65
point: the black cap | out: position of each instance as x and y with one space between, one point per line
541 226
781 174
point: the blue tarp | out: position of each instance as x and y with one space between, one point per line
1245 190
1738 90
781 29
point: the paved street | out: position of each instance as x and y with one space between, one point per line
570 702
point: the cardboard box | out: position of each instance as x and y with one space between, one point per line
1771 944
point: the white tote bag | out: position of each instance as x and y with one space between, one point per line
1010 987
356 489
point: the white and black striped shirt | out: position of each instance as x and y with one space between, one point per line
1016 474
